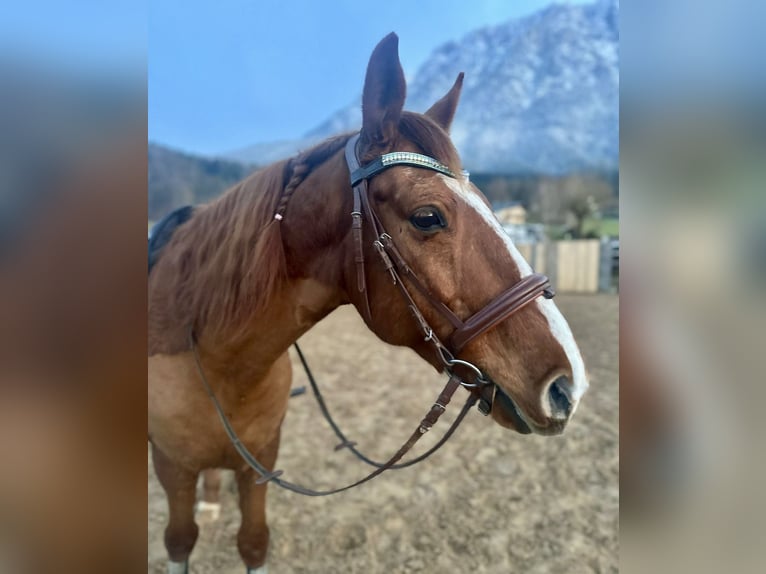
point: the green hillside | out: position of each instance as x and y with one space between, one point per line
177 179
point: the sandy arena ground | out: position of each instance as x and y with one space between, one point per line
490 501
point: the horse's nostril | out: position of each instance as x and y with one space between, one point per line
559 397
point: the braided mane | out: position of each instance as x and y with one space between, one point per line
306 162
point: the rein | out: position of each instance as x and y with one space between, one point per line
461 372
436 411
351 445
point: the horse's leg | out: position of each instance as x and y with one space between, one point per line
209 506
211 485
180 487
253 536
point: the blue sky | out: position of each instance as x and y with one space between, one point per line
77 35
226 74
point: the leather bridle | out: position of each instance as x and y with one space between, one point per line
461 373
498 309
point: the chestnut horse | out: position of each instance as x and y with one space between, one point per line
249 283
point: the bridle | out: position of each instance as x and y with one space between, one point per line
498 309
461 373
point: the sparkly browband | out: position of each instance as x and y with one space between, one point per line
398 158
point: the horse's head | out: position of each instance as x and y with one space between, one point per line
445 230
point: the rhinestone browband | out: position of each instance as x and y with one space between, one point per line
399 158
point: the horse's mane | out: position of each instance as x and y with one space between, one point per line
230 258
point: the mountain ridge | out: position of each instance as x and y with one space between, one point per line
540 94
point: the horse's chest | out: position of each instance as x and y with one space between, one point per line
184 424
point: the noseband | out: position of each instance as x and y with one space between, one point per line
462 373
498 309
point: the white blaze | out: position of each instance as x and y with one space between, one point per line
556 321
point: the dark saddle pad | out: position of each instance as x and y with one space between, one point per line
163 230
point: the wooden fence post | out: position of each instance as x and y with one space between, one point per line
605 266
552 262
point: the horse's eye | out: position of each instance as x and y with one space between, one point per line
427 219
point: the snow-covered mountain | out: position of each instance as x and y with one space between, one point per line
540 94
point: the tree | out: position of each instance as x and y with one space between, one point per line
583 197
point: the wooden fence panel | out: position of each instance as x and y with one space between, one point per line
578 265
573 265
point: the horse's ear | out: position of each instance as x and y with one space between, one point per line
384 93
443 111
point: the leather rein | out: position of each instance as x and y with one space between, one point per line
461 373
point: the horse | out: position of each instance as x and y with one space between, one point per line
235 282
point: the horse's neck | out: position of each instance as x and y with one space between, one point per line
316 263
247 359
